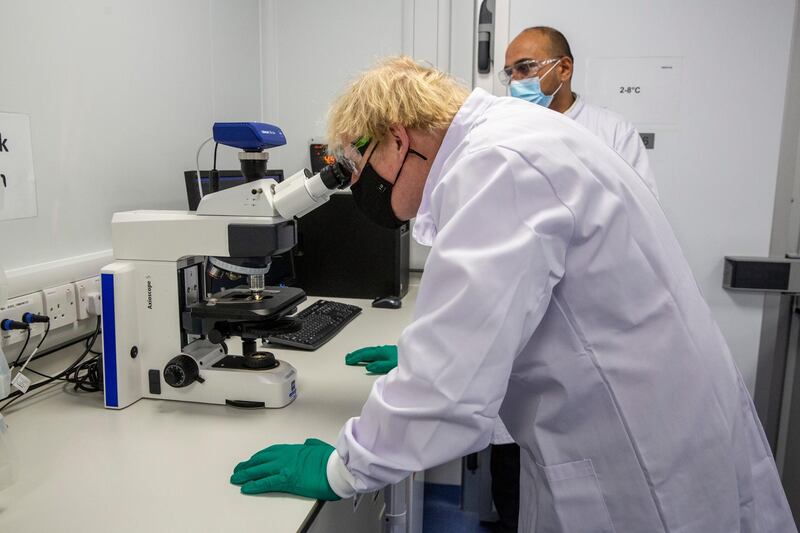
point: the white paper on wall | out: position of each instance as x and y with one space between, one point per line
644 90
17 181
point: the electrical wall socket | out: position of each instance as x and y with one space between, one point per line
14 309
83 289
59 305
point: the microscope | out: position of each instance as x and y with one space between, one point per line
164 335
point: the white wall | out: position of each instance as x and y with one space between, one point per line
716 169
120 95
311 49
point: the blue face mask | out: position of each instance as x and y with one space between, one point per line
530 89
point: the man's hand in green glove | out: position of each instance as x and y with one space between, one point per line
293 468
379 359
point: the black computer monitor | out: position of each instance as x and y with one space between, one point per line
227 179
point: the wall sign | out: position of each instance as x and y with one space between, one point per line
649 140
17 182
644 90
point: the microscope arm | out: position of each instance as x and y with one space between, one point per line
293 197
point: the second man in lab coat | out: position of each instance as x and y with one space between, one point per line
539 68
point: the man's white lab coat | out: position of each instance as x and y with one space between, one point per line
556 288
617 133
623 138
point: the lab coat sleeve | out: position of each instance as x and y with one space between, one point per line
629 145
499 252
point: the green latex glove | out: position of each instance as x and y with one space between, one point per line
379 359
293 468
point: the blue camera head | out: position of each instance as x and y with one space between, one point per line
248 136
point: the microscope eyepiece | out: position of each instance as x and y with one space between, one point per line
336 175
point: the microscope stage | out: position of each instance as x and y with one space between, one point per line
243 304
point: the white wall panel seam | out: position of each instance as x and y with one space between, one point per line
407 31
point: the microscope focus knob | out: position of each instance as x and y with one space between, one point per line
216 336
181 371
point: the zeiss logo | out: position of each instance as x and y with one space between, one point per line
149 294
269 132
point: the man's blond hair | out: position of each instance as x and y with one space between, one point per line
398 91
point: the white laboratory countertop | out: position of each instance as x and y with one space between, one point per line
163 466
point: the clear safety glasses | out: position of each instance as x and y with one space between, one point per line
353 153
524 69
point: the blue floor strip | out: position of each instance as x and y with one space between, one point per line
442 511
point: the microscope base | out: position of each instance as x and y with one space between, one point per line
273 388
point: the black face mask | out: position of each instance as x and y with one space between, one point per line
373 194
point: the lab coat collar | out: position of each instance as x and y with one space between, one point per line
575 109
471 110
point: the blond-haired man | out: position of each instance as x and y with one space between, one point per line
555 288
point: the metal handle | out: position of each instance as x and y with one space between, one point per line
395 507
485 32
472 462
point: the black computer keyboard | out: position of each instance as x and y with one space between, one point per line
320 322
